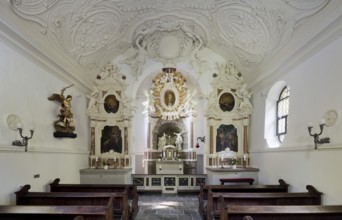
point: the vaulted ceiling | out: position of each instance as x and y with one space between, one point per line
76 38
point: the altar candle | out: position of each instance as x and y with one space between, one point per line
96 159
114 159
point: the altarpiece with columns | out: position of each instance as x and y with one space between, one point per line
110 112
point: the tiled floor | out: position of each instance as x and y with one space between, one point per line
168 207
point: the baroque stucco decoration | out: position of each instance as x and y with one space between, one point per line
165 41
87 32
110 81
170 97
228 80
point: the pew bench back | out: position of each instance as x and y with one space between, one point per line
16 212
315 212
217 200
130 189
204 189
117 201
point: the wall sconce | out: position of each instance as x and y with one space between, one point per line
202 139
24 142
316 135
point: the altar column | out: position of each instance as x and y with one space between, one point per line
245 140
148 135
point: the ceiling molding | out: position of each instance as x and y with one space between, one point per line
78 37
318 38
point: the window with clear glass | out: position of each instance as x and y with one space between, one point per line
282 113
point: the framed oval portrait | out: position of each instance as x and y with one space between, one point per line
169 98
227 102
111 104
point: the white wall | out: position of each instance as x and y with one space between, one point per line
315 88
24 89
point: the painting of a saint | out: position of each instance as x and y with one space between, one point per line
111 139
226 138
227 102
169 98
111 104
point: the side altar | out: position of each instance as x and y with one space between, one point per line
228 113
110 114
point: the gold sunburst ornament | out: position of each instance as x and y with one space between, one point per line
169 96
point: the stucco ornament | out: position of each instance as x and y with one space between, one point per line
229 87
169 97
109 88
83 33
168 41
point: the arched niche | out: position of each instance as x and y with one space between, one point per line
169 128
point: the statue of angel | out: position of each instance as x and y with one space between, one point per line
66 121
94 99
179 140
244 95
162 142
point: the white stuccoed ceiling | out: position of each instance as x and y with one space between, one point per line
76 38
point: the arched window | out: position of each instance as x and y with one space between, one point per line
282 113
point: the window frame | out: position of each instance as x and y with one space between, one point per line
280 135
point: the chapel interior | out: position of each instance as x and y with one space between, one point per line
168 95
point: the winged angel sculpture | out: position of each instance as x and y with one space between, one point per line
65 124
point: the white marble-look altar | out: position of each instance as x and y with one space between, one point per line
109 176
169 167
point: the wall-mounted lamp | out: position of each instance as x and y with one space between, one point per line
202 139
24 142
14 123
316 135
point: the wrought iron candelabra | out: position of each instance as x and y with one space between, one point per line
317 140
24 142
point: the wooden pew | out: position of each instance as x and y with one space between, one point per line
132 192
313 212
19 212
203 195
117 201
216 200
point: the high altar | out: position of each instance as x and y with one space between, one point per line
170 108
170 159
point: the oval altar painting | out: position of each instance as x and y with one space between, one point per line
227 102
169 98
111 104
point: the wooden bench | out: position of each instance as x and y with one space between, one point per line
22 212
237 180
217 200
203 195
117 201
131 189
314 212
